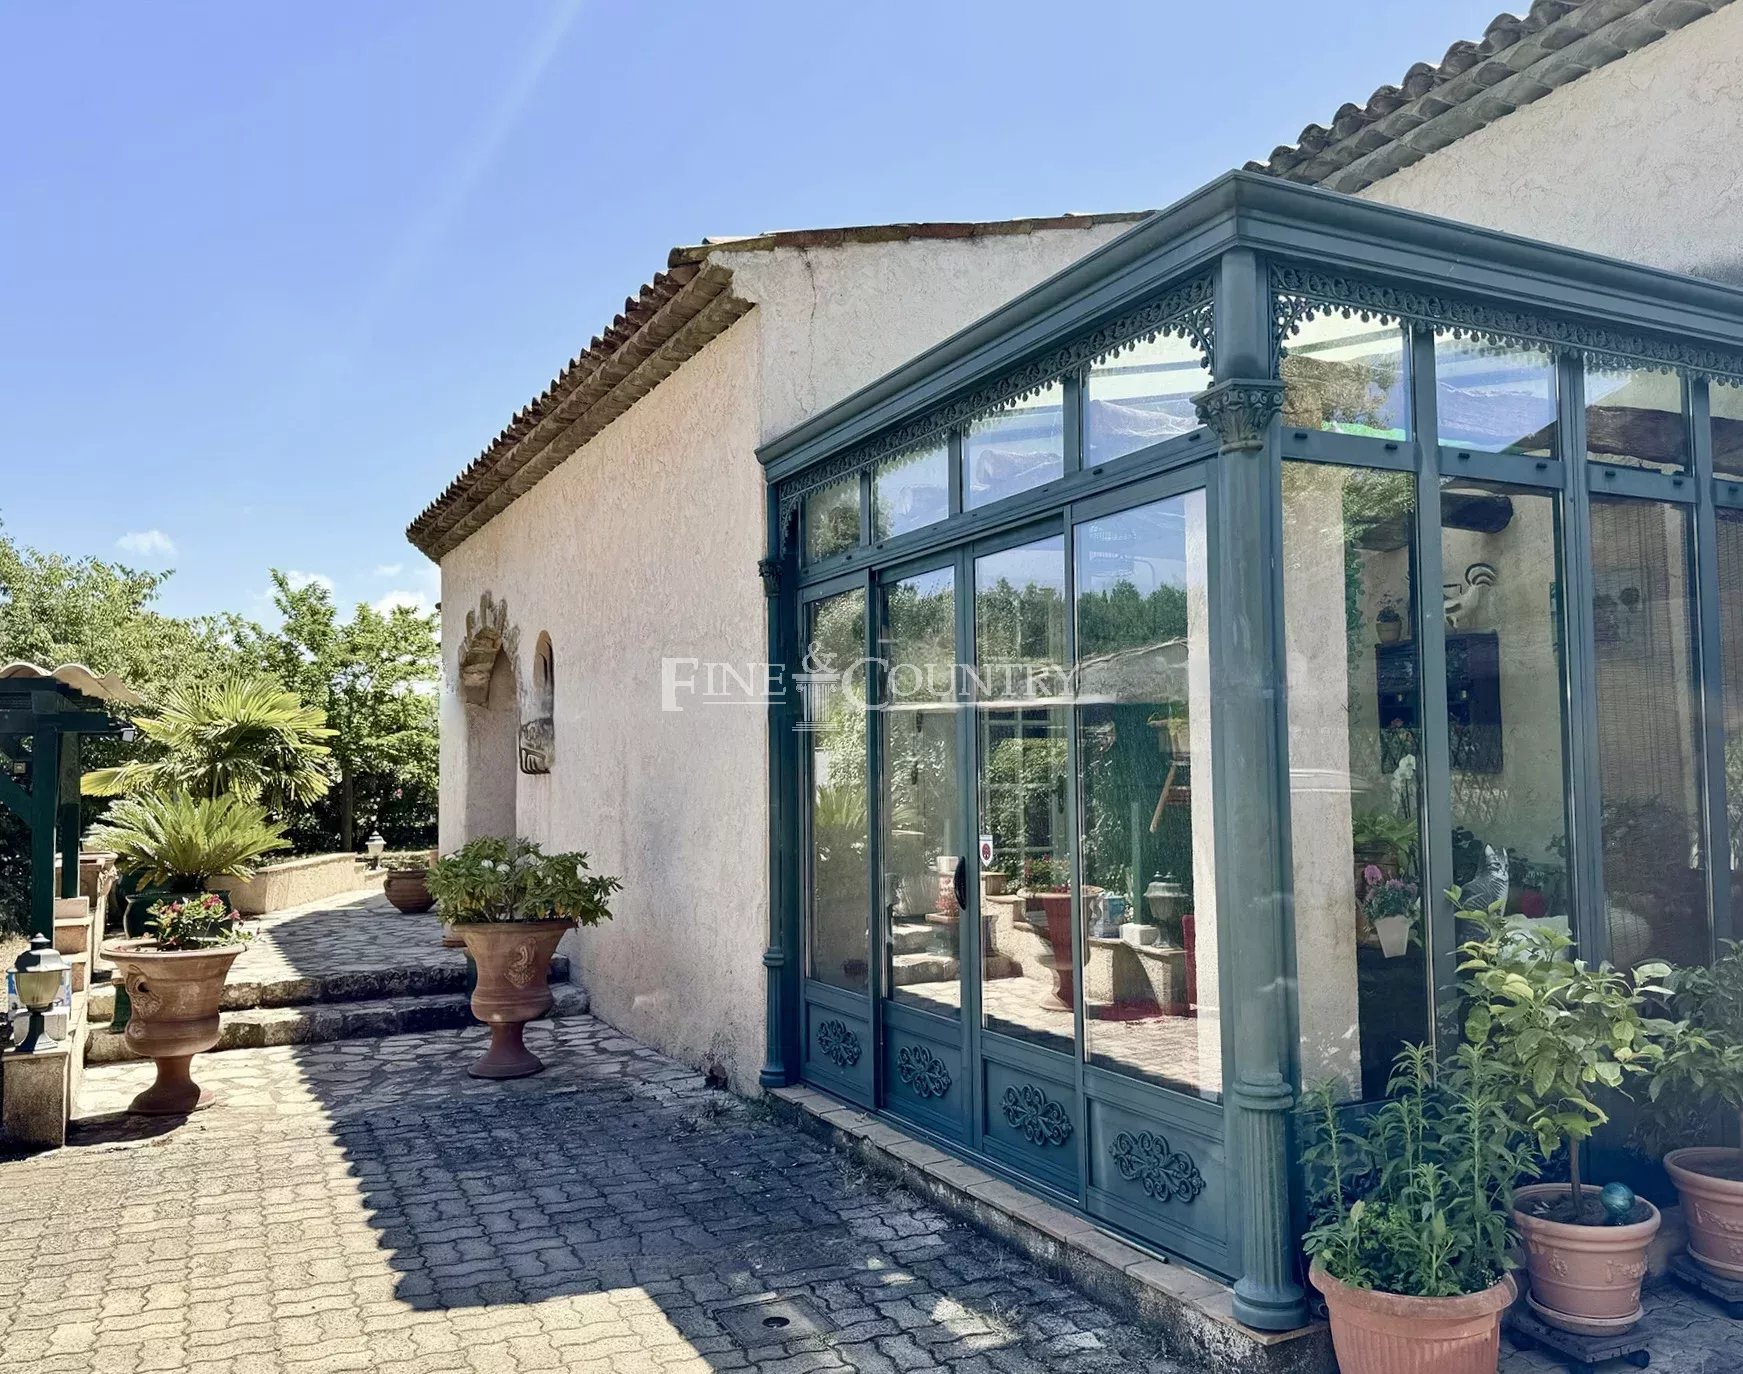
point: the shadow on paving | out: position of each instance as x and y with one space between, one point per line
614 1205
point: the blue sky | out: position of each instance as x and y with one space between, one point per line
270 276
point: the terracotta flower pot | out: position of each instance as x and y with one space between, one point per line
1709 1180
1388 1333
513 959
407 889
1583 1278
174 996
1056 906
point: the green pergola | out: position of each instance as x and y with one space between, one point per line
43 715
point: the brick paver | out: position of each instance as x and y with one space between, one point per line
366 1205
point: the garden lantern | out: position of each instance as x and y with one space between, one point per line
375 844
37 977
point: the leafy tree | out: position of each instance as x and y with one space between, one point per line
242 735
373 677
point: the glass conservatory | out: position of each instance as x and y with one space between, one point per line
1162 645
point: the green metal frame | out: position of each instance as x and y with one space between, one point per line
52 717
1256 250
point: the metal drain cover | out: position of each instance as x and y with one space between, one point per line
769 1321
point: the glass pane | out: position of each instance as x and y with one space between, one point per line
922 794
833 691
1141 395
1348 376
1019 446
1146 851
1725 400
911 490
1501 557
831 518
1351 614
1495 399
1730 549
1636 419
1028 968
1649 729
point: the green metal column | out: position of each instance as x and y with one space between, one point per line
1246 685
45 753
67 814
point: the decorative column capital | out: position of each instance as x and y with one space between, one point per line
1240 410
769 569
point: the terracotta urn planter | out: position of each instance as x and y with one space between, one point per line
1388 1333
513 959
1056 907
174 996
1584 1279
1709 1181
407 889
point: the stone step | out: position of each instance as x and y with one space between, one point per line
412 980
917 937
72 934
922 968
257 1027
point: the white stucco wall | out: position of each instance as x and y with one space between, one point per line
644 544
1640 159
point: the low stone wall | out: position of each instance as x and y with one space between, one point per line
296 881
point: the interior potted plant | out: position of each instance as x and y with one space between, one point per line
1703 1070
1564 1032
1410 1231
1390 907
511 903
174 979
406 885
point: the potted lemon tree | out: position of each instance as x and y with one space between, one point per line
1411 1230
511 903
1564 1032
1703 1071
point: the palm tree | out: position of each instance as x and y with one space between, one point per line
244 737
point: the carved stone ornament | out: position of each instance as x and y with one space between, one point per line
1240 411
487 631
538 740
1183 311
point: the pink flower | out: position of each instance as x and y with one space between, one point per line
1372 874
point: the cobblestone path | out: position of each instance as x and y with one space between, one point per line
366 1205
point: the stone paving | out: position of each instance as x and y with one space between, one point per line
366 1205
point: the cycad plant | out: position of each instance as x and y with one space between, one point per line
244 737
176 841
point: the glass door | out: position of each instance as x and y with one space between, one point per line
923 896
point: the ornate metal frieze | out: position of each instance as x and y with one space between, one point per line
1041 1120
923 1071
1240 411
838 1043
1299 294
1183 312
1166 1174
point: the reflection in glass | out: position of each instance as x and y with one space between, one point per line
1028 971
911 490
1495 398
1649 731
1350 615
1730 598
831 518
835 740
1500 556
1348 376
1019 446
922 801
1635 418
1140 395
1146 851
1725 400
